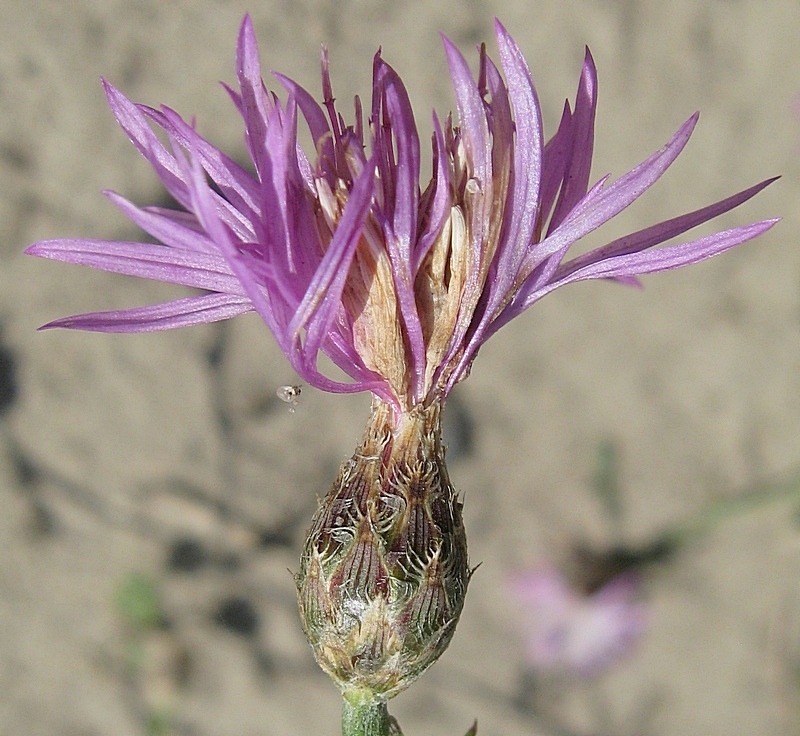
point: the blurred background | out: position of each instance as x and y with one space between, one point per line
155 491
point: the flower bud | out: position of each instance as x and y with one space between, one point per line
384 571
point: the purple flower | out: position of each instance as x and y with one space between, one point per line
568 632
343 253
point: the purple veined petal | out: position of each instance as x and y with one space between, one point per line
552 268
156 262
400 231
133 122
317 124
295 202
302 232
473 130
235 219
471 114
520 210
317 312
279 146
522 206
342 353
306 172
255 103
236 184
174 228
341 350
236 98
290 239
321 305
543 271
383 149
435 205
661 232
671 256
496 265
576 175
555 160
203 205
358 117
193 310
635 264
502 128
601 204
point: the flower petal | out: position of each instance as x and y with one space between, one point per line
663 231
435 202
133 122
255 103
203 205
157 262
521 209
581 146
642 262
471 115
555 160
602 204
237 185
175 228
322 300
397 132
317 124
193 310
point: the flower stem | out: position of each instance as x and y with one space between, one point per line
729 506
365 714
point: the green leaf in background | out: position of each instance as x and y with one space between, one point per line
606 479
139 603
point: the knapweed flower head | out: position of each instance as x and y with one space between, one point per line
570 632
345 253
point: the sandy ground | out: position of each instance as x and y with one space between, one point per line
167 458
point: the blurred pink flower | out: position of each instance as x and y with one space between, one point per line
571 632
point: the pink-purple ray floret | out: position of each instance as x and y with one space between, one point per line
250 239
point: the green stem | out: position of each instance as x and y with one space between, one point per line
365 714
727 507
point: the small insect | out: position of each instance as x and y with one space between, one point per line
291 395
